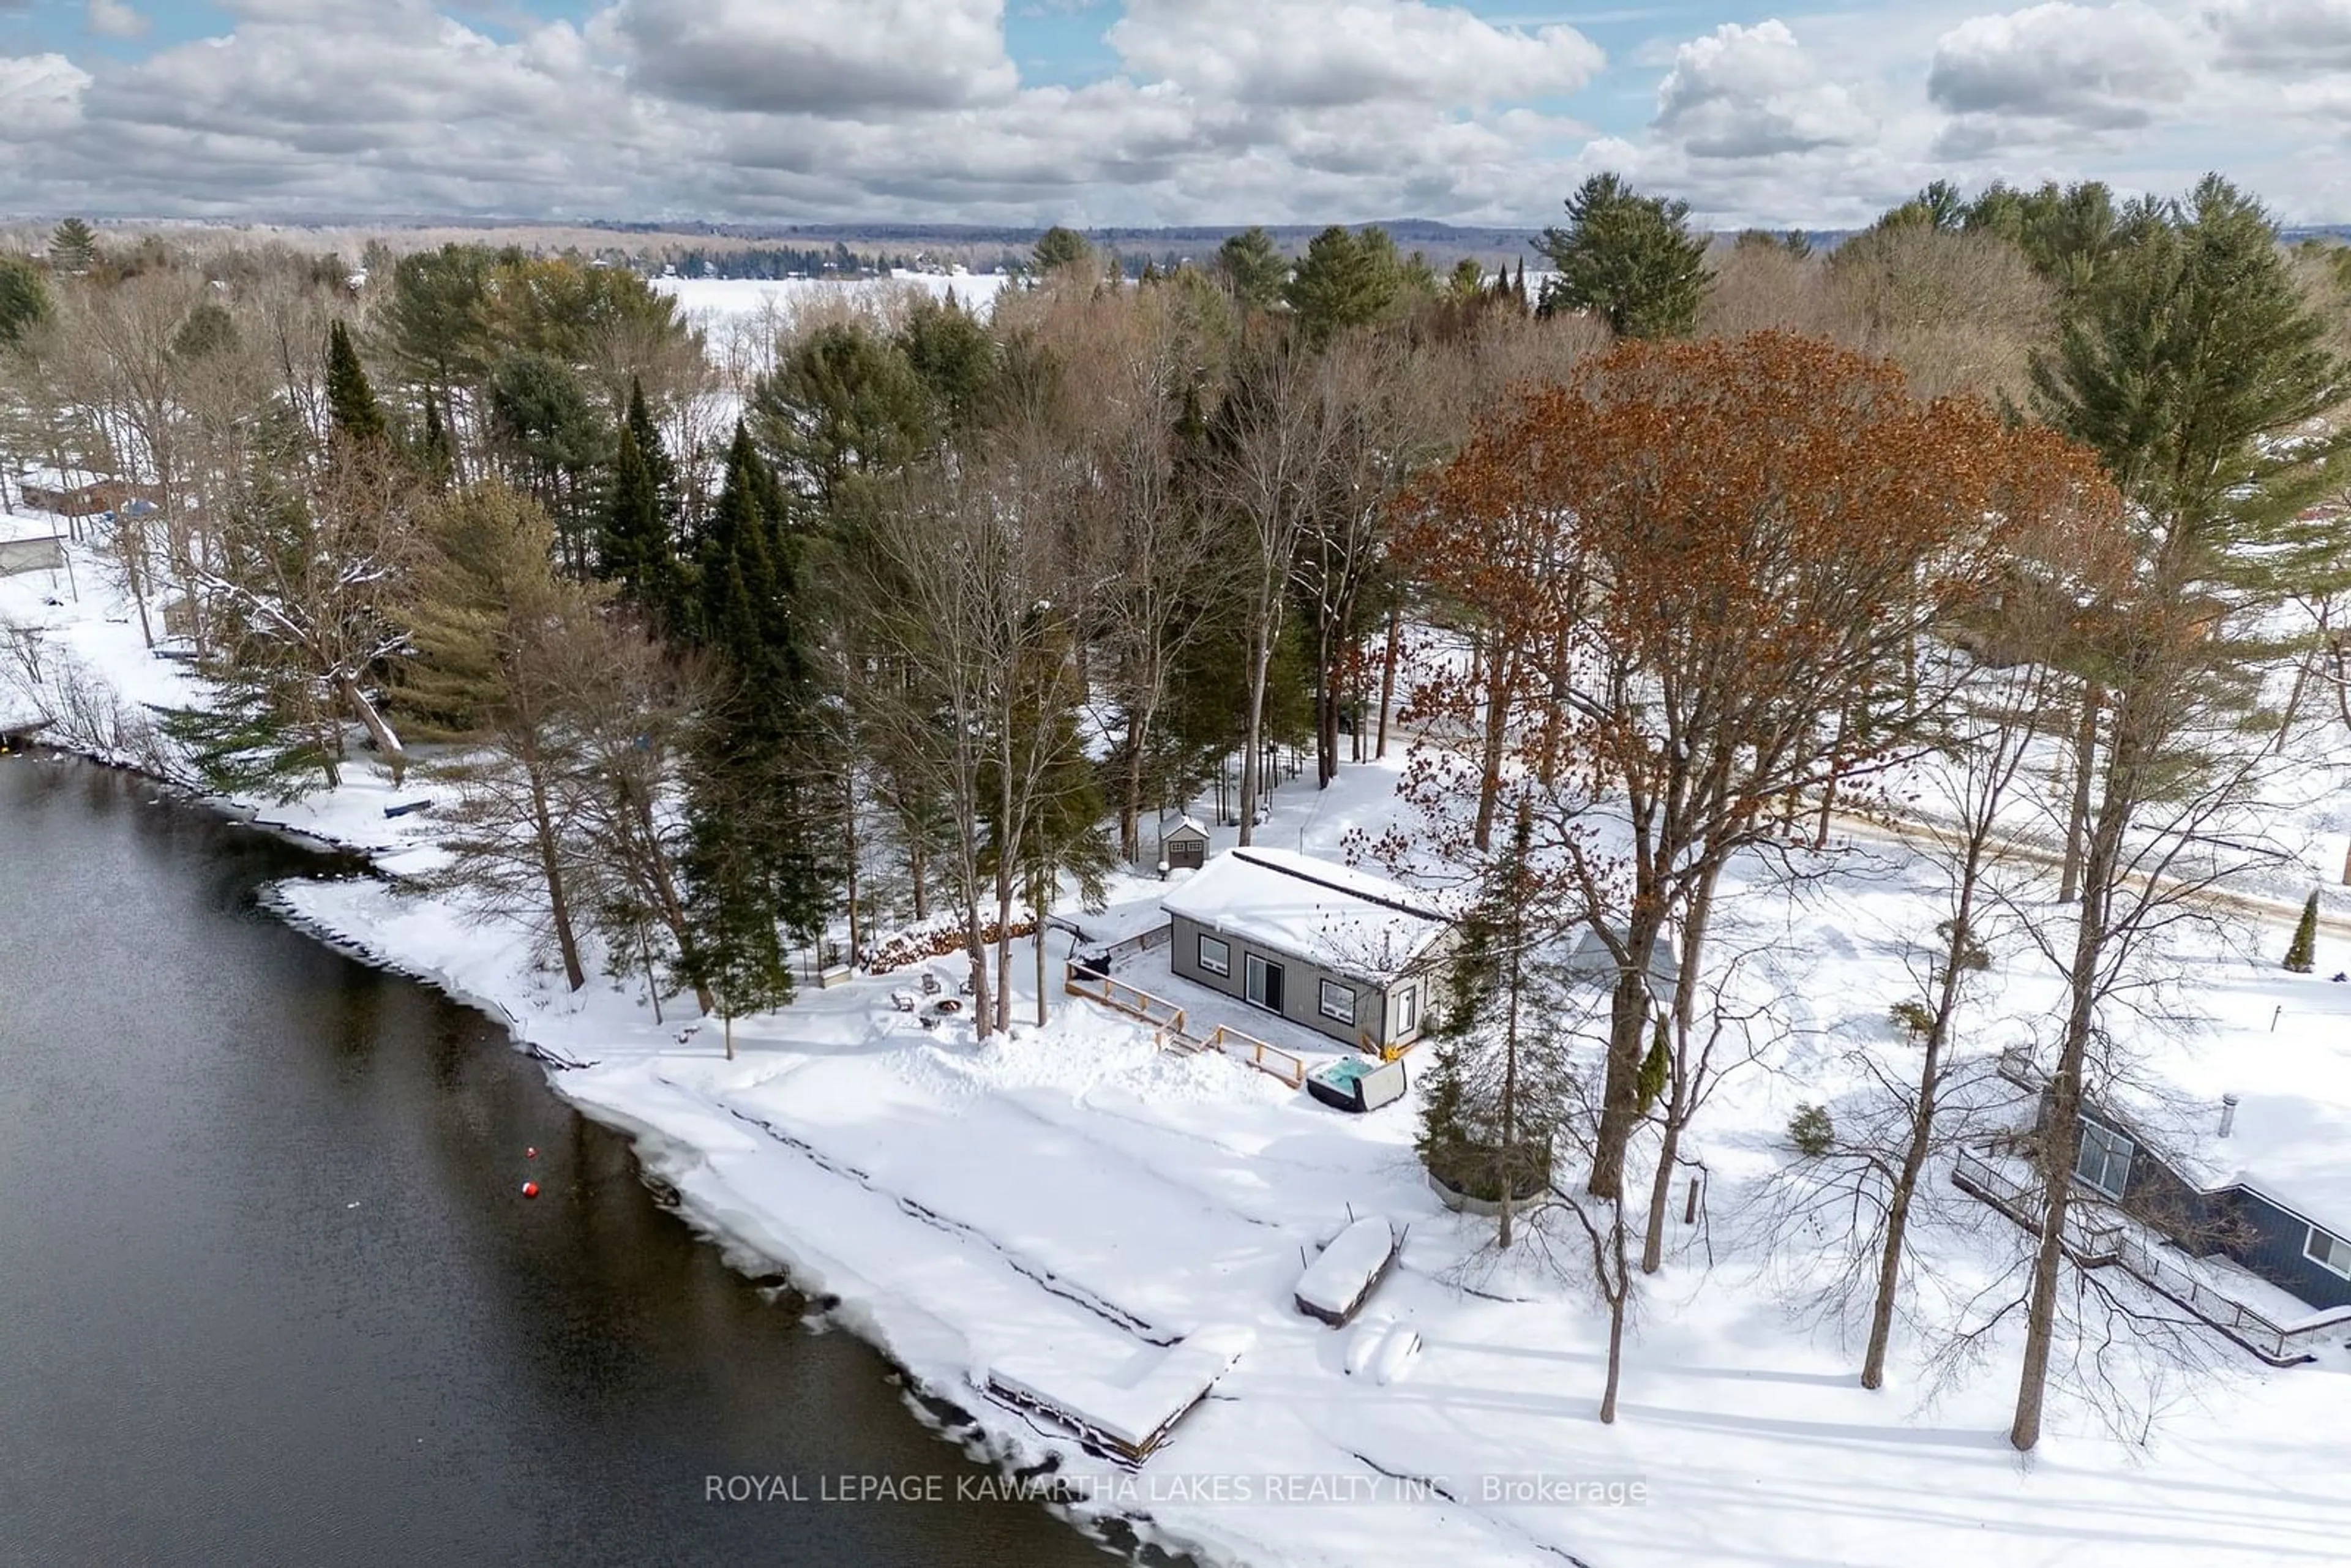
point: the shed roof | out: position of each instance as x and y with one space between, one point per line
1344 920
1591 962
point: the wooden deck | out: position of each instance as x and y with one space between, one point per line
1169 1026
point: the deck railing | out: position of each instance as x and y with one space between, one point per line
1167 1026
2098 1242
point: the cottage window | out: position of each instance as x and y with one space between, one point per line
2329 1252
1214 957
1338 1001
1407 1011
2104 1159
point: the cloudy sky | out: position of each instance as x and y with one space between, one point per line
1147 111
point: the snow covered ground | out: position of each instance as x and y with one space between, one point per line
1072 1194
707 301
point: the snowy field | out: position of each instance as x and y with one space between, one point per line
1074 1196
714 301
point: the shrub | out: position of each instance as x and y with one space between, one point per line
2304 949
1812 1131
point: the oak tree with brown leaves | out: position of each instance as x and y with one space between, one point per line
1700 575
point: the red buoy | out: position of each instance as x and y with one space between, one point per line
530 1189
530 1154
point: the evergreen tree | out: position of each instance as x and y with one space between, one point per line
760 775
737 955
954 356
73 246
2303 950
845 407
1253 268
352 412
1345 279
24 298
1629 259
2181 361
635 547
433 452
1062 253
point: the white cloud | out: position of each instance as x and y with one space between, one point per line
2283 37
40 95
1743 92
1319 54
114 19
818 56
2059 70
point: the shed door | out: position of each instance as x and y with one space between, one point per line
1263 983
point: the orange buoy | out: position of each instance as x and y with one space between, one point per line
530 1154
530 1189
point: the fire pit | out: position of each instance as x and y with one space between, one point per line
947 1005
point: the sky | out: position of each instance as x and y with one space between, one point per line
1135 112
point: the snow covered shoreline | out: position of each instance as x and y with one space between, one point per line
1073 1193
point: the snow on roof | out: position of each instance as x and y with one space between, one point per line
1334 916
2294 1150
1189 825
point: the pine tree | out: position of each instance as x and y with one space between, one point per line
24 297
433 451
1345 279
2303 950
2180 361
1629 259
73 246
352 412
758 773
1253 268
1063 252
635 544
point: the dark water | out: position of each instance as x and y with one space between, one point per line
208 1354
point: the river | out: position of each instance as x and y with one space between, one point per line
270 1293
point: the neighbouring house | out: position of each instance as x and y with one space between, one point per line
1344 952
89 500
2266 1183
1185 846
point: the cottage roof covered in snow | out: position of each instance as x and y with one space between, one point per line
2293 1149
1344 920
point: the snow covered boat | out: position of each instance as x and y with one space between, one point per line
1336 1285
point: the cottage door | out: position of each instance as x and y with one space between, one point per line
1264 982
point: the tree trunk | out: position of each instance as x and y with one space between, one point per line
849 844
1922 1112
2061 1133
1681 1090
1618 1298
1661 1196
386 742
726 1027
1260 663
2086 751
1003 953
1130 805
1490 761
1620 1104
1041 1011
915 869
1388 676
550 863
